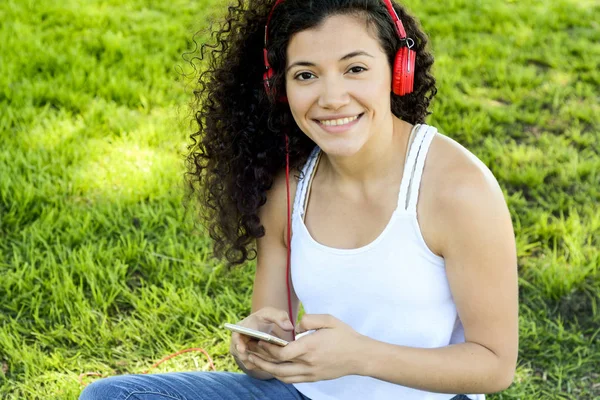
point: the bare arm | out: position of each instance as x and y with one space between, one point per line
481 265
270 289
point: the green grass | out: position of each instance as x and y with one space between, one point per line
102 270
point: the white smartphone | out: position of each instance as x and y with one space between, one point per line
256 334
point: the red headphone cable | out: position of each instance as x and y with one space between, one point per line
289 235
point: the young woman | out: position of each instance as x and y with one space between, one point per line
402 246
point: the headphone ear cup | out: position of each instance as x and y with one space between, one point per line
404 72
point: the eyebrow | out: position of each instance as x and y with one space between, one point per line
344 58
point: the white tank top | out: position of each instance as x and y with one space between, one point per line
393 289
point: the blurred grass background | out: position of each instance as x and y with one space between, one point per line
102 270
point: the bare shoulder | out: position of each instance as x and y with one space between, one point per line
273 214
455 184
459 163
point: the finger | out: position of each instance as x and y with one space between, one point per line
246 342
293 351
233 345
240 351
244 359
283 370
316 321
249 365
264 357
271 350
277 316
255 348
239 342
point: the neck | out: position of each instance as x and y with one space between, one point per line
379 161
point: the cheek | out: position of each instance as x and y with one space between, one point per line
382 87
299 112
299 104
380 94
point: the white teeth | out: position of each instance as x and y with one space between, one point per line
337 122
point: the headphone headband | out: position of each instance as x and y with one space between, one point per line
388 5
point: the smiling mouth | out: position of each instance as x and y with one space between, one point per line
338 122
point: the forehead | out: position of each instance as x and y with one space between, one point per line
336 36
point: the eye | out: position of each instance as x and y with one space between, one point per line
357 69
303 76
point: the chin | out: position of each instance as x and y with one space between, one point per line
346 144
340 148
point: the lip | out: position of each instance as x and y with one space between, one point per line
337 116
340 128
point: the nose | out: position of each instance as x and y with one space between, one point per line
334 94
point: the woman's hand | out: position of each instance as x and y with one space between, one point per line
269 320
328 353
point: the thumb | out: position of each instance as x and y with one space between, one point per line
286 324
277 316
284 321
316 321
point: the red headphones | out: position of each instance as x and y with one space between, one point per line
403 74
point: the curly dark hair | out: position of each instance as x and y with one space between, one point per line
239 146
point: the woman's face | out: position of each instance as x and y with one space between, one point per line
338 84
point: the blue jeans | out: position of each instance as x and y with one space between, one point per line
192 386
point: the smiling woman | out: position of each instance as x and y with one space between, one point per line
399 244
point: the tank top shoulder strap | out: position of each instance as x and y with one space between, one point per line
303 183
413 168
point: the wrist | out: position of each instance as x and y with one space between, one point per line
363 354
256 374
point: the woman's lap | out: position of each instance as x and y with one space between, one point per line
192 386
189 386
